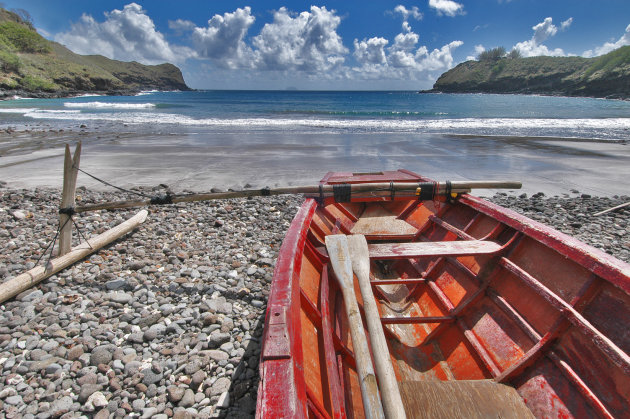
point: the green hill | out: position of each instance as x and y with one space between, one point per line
31 65
605 76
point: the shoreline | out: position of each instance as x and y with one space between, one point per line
200 161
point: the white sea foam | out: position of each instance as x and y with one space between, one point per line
108 105
147 92
22 111
583 127
89 95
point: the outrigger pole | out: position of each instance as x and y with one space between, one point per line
341 192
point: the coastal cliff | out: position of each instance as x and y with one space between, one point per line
607 76
33 66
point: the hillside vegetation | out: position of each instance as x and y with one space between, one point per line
31 65
605 76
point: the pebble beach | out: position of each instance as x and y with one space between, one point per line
167 321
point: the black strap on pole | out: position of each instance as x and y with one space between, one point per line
426 191
342 192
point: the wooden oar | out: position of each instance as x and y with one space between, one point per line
384 189
337 246
392 402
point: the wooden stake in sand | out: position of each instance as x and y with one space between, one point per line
20 283
70 171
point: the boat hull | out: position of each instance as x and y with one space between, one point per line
539 315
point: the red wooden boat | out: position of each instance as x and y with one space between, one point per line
536 323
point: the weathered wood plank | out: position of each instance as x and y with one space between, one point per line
432 249
462 399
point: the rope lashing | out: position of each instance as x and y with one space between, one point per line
161 199
69 211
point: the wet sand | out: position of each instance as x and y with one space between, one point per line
201 161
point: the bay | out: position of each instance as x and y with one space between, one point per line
202 139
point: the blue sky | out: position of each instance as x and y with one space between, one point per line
349 44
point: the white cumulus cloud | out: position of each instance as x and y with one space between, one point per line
127 34
447 7
542 31
223 39
404 59
371 51
307 42
414 12
610 46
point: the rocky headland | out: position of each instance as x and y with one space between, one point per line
32 66
607 76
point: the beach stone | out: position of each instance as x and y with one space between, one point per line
217 355
30 295
198 378
52 368
188 399
220 386
102 414
97 400
14 400
148 412
138 405
116 284
101 355
60 406
175 393
216 339
87 390
150 377
136 337
119 297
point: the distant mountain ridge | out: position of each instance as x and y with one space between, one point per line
31 65
607 76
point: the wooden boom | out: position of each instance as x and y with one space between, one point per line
398 188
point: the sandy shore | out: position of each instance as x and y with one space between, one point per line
198 162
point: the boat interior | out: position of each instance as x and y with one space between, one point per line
527 324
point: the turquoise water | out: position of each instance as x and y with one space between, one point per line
331 112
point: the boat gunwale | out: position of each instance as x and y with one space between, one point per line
284 295
604 265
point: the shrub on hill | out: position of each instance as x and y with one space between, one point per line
22 39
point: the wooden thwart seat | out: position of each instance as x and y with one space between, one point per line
432 249
462 399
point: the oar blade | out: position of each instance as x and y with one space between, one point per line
337 247
359 254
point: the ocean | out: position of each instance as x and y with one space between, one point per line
201 139
333 112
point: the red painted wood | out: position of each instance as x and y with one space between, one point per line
417 320
606 266
282 392
431 249
480 300
336 396
408 281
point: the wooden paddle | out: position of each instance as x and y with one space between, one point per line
392 402
337 246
